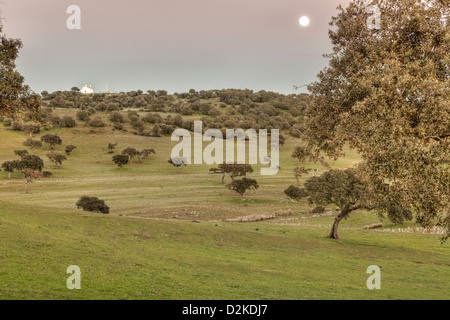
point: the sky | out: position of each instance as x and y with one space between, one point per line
175 45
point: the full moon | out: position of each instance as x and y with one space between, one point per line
304 21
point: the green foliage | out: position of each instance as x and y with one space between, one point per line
51 140
97 122
56 158
295 193
385 94
92 204
243 185
33 144
32 162
69 149
121 160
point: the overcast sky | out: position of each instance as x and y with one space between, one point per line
170 44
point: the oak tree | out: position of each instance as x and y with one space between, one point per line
385 93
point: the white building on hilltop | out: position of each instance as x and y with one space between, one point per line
87 89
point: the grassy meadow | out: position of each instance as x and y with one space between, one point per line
166 237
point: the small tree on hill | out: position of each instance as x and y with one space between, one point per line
56 158
239 170
221 169
33 144
341 187
30 175
92 204
131 153
10 167
69 149
243 185
51 140
31 167
178 162
31 128
298 172
31 162
144 154
121 160
111 147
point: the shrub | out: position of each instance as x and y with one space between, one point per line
47 174
33 144
56 121
82 115
138 125
318 209
152 118
118 126
7 122
17 126
187 111
116 117
68 122
156 131
166 130
92 204
295 193
113 107
69 149
97 122
214 112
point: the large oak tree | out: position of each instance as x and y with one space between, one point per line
386 93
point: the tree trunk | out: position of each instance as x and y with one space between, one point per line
242 196
9 175
344 213
26 188
223 178
334 229
179 170
298 181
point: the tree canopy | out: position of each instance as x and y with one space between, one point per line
386 94
15 96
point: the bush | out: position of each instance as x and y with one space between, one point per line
97 122
7 122
295 193
68 122
82 115
92 204
214 112
118 126
113 107
116 117
47 174
167 130
56 121
138 125
187 111
318 209
17 126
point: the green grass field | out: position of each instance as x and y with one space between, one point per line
148 247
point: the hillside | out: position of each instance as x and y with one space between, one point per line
166 237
